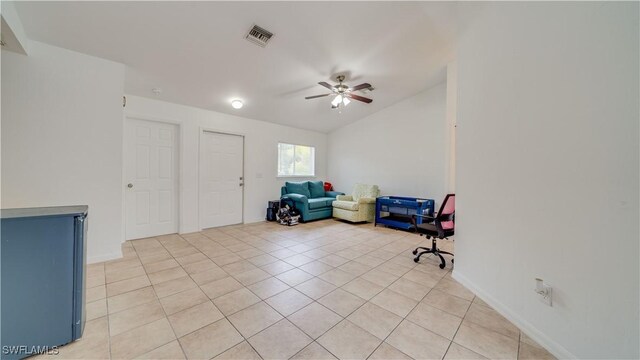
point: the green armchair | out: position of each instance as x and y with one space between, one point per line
310 199
358 207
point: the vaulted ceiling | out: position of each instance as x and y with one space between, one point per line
196 51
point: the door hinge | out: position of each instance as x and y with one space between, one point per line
124 101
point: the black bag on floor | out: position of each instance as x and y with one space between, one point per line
272 210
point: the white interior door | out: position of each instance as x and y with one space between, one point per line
221 179
151 178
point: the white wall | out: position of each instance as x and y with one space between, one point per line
402 148
547 175
261 139
452 108
62 138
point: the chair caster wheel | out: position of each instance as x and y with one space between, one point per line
415 260
441 266
452 261
415 252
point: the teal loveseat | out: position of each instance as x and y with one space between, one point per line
310 199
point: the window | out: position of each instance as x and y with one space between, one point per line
296 160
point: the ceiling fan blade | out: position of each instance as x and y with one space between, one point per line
327 85
316 96
360 87
358 97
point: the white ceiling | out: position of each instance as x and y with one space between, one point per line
197 54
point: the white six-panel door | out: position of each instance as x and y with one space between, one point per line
221 179
151 178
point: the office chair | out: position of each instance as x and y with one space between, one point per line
439 226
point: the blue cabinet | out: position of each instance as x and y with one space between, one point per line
43 254
396 211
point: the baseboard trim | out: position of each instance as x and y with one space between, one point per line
254 221
104 257
553 347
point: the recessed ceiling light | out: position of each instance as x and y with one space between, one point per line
237 104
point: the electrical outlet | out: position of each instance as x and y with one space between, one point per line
544 291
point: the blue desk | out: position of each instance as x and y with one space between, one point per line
396 211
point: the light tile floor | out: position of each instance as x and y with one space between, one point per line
319 290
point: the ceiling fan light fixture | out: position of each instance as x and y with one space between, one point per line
237 104
337 100
343 93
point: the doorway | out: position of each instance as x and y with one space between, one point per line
151 178
221 179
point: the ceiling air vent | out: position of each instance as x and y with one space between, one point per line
259 36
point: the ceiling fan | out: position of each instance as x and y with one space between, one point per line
343 93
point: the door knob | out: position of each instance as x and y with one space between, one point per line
129 185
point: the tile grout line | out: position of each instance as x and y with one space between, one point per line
107 306
519 344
